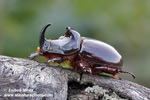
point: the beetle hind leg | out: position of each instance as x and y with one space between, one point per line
128 73
106 71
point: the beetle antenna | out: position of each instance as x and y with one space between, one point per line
42 35
128 73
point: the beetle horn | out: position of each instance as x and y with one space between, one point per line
128 73
42 35
75 35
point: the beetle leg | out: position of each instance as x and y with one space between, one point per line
107 69
79 66
38 53
95 71
32 56
57 60
120 71
85 69
111 71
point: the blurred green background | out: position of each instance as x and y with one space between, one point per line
124 24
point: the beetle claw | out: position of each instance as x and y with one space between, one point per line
128 73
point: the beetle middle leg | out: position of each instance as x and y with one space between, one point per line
56 60
81 65
84 68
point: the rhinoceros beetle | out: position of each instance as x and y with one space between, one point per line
82 53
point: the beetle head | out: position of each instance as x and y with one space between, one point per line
67 44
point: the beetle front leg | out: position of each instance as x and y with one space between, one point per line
38 53
32 56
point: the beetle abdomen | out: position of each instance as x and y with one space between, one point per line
99 52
